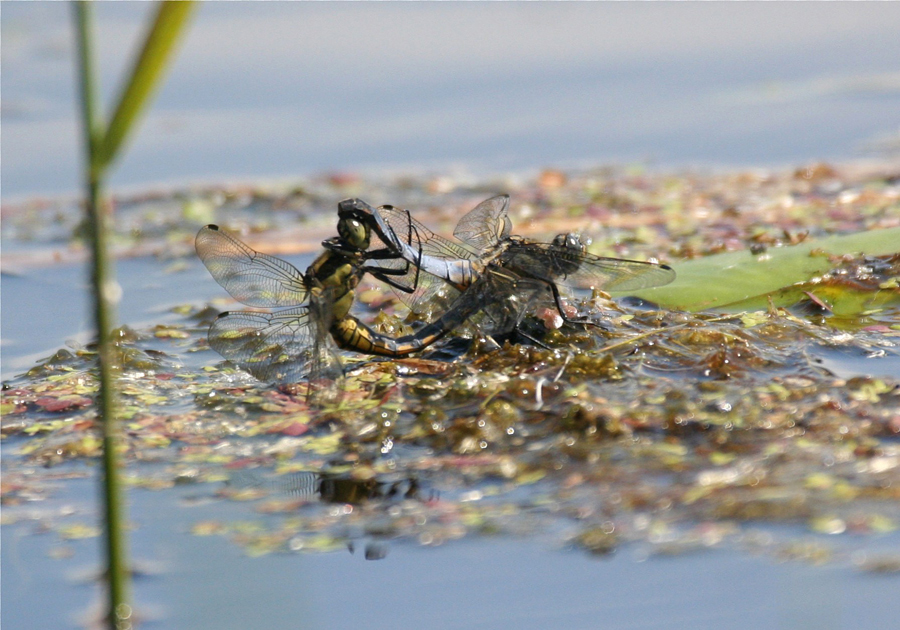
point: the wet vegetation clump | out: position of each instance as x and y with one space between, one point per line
688 418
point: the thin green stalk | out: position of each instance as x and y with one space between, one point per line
101 144
146 75
106 296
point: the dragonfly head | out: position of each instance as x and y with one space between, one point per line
570 241
350 210
356 208
353 223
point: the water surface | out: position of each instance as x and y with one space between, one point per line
284 89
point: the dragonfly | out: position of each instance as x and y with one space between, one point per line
299 339
502 276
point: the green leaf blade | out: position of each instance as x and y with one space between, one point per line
146 75
737 279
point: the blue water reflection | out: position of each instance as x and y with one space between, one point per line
281 89
206 582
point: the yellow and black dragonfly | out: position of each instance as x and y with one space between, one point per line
502 277
285 346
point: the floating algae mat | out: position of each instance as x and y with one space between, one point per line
761 389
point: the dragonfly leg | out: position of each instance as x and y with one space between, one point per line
397 285
557 297
384 273
381 272
533 340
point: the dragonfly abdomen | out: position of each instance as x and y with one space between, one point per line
351 334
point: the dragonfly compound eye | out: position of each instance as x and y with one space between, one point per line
570 241
354 233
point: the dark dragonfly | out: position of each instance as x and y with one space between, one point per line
503 276
287 345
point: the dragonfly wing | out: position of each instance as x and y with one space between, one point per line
613 274
274 347
428 296
572 268
328 361
486 225
490 305
431 299
250 277
511 299
326 371
419 237
423 287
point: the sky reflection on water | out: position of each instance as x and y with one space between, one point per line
203 582
285 89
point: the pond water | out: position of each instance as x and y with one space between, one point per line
47 307
503 583
529 575
437 92
283 89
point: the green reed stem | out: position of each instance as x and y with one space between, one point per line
145 76
105 297
101 145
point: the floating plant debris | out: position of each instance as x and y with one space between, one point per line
670 426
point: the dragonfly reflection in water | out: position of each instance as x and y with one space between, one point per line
505 277
287 345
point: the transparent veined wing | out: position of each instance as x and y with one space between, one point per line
419 237
250 277
504 300
483 227
572 268
428 292
281 347
326 371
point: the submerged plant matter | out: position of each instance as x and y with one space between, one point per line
672 429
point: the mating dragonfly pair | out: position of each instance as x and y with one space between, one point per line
494 277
